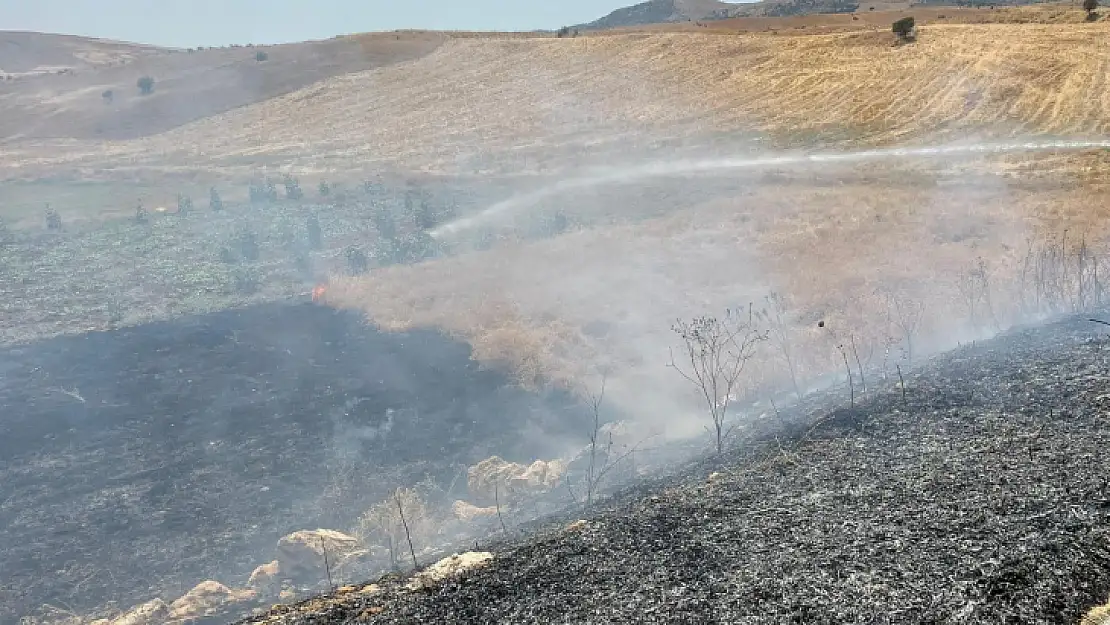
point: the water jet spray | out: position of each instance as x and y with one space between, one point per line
686 167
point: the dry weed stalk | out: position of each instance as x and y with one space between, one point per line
405 524
774 316
596 473
717 351
906 314
327 564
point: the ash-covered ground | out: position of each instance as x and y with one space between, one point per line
981 495
137 462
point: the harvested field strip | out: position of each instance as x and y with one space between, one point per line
538 94
979 497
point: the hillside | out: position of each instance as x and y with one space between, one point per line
59 84
27 54
978 496
699 11
551 98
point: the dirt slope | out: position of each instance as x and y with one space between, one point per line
189 85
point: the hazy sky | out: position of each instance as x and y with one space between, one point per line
188 23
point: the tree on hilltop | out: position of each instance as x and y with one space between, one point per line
146 85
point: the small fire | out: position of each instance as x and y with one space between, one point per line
318 292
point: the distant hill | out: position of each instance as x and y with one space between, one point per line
61 86
24 54
670 11
662 11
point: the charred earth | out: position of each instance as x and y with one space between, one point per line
979 495
140 461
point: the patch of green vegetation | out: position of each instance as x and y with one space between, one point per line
126 270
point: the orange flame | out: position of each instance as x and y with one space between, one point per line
318 292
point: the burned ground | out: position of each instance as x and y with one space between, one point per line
979 496
137 462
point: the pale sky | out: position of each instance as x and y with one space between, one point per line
189 23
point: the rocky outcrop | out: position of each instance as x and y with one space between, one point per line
1098 615
150 613
207 598
301 554
495 478
449 567
266 579
469 513
354 565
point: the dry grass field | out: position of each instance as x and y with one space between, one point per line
472 99
604 295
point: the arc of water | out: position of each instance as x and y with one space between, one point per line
687 166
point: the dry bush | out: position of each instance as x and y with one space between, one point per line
394 521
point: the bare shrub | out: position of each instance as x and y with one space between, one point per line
905 314
716 351
974 287
394 521
774 316
600 458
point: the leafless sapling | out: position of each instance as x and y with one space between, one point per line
497 502
405 524
716 351
859 361
597 468
327 565
906 314
848 369
775 317
901 382
840 347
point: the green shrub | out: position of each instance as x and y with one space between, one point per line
146 85
184 204
292 188
53 220
384 222
315 235
214 202
357 263
904 29
246 244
